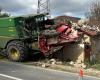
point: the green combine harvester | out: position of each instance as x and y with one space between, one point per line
19 35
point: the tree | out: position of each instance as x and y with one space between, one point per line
3 14
94 15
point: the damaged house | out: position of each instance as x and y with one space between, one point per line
81 50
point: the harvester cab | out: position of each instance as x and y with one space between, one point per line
33 25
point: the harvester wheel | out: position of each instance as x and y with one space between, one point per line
17 51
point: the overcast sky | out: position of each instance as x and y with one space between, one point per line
58 7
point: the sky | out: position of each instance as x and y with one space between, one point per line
76 8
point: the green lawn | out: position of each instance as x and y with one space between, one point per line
96 66
1 57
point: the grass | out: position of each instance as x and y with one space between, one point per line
1 57
96 66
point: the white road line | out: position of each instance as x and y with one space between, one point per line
10 77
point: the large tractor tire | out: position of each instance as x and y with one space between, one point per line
17 51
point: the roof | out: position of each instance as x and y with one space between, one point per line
73 19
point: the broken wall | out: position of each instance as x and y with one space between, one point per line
95 46
74 52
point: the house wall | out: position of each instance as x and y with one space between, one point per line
86 39
95 45
74 52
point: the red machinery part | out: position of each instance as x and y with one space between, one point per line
65 36
62 28
43 44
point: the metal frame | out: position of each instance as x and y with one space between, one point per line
43 7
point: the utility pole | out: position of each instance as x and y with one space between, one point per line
43 7
0 10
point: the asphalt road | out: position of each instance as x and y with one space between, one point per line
18 71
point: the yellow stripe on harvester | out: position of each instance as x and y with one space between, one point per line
11 30
6 37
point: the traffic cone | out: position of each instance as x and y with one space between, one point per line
81 74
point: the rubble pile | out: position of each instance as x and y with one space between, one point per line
48 63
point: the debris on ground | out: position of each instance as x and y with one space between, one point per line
66 66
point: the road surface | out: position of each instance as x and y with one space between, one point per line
18 71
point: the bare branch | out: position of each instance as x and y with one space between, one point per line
94 16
